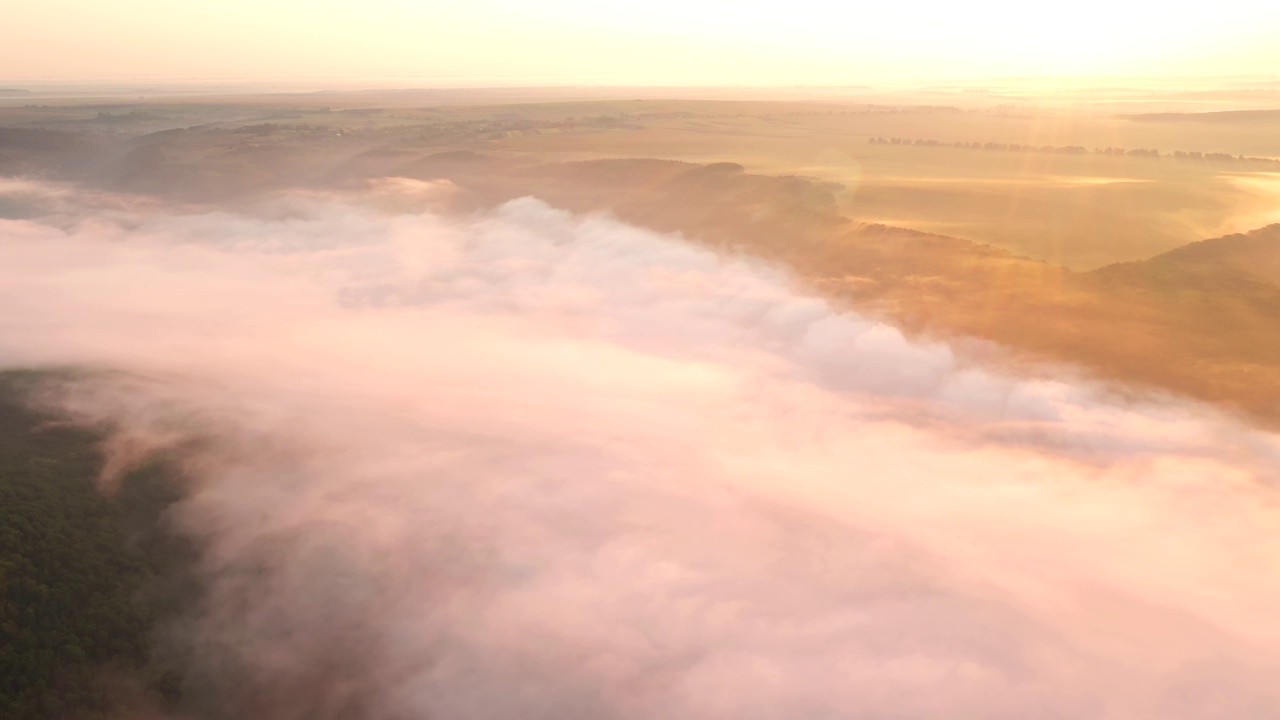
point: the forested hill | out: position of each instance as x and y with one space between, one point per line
80 573
1216 264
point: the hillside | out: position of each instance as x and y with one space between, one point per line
85 578
1243 257
1201 320
1217 339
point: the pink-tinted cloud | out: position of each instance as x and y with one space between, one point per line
528 464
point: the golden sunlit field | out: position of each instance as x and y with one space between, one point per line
1080 211
944 167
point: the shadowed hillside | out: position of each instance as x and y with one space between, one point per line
85 577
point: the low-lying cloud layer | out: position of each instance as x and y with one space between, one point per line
534 465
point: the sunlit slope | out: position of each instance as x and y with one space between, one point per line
1243 258
1078 210
1219 342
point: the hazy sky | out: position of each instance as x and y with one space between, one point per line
743 42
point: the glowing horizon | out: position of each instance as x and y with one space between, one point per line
664 42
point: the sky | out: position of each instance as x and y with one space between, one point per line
659 42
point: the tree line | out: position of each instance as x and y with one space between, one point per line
1077 150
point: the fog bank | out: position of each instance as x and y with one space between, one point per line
530 464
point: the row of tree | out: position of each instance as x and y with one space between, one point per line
877 110
1076 150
